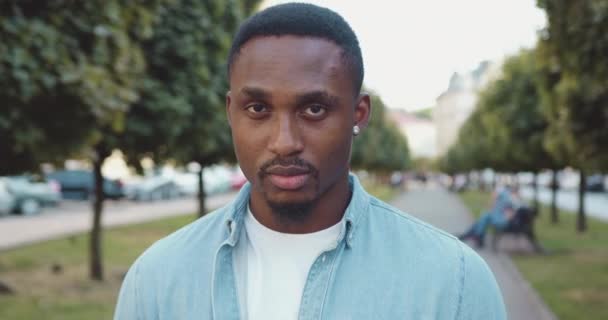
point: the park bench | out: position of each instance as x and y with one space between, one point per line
522 224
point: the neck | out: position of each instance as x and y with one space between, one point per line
323 213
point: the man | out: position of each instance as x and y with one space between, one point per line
499 216
303 240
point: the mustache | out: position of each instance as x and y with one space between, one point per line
287 162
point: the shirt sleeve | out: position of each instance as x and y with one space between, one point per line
480 297
128 306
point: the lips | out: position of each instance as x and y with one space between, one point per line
288 178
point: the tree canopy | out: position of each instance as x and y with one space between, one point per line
80 78
381 147
63 66
180 114
574 81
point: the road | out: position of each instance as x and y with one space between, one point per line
596 203
72 217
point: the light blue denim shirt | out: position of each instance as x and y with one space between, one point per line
385 265
502 203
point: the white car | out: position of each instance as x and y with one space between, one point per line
216 179
30 194
7 200
152 188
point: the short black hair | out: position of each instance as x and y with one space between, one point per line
302 19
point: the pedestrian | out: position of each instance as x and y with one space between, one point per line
505 204
303 239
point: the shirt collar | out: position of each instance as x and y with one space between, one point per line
357 207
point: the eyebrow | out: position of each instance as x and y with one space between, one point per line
300 99
317 96
256 93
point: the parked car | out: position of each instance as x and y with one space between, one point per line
7 200
545 179
152 188
79 184
187 183
30 194
569 180
595 183
216 179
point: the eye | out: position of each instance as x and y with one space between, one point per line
315 111
256 109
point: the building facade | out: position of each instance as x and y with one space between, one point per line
421 133
455 105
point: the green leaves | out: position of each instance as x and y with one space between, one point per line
381 147
68 72
180 113
146 76
573 77
507 129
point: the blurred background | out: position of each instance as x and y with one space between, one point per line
113 134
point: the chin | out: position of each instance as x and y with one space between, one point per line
291 210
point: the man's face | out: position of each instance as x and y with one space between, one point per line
292 106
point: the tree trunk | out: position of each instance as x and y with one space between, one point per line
581 221
452 182
475 178
96 265
554 216
201 194
535 186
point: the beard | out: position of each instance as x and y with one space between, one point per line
297 210
291 211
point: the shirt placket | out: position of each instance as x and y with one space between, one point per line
225 297
318 283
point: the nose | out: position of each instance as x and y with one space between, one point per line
286 139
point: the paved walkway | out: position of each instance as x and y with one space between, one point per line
73 218
445 211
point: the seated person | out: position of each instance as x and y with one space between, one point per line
502 212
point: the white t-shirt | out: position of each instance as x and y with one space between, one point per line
271 268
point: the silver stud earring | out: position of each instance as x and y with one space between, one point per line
356 130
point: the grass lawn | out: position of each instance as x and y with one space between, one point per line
41 293
573 278
66 295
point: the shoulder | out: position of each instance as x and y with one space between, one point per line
421 240
447 258
197 239
480 296
387 229
168 264
404 223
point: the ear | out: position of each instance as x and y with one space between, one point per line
363 110
228 101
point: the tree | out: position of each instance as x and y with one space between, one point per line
205 138
574 85
472 150
381 147
146 76
70 71
518 118
507 128
181 113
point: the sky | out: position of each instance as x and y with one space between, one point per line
411 48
